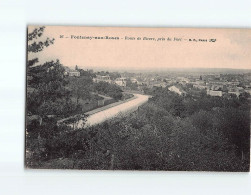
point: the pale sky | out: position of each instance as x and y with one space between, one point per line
231 49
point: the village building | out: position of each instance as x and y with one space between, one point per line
70 72
248 91
234 91
134 80
100 78
176 90
237 93
74 73
200 87
121 81
214 93
159 84
183 80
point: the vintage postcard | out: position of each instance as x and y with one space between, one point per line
118 98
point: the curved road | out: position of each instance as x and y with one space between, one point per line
109 113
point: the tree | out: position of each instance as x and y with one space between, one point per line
36 74
80 88
35 45
235 125
111 90
48 100
49 95
131 85
86 73
114 75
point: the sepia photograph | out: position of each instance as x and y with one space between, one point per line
146 99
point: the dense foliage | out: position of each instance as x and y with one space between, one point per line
108 89
52 95
170 132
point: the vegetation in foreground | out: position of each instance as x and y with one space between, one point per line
168 133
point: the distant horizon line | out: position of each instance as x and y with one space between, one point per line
159 69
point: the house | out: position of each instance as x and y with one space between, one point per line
159 84
176 90
200 86
134 80
121 81
199 82
214 93
234 91
100 78
71 73
183 80
248 91
237 93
